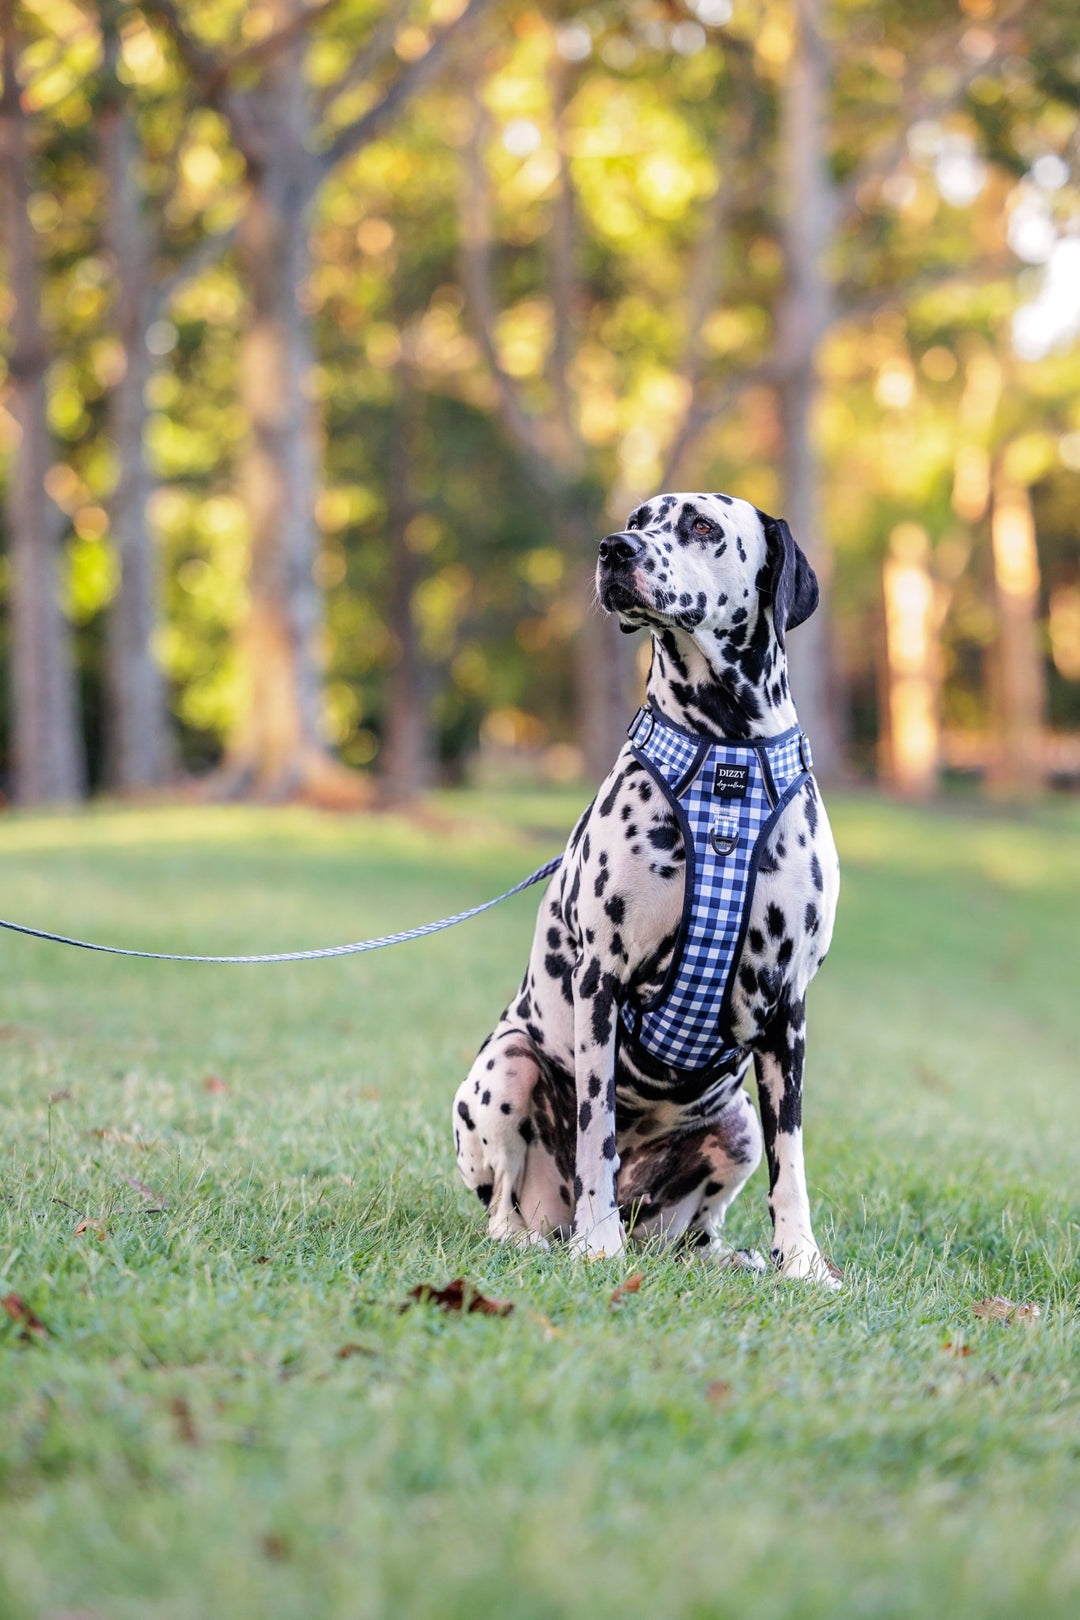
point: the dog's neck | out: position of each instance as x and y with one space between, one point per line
730 683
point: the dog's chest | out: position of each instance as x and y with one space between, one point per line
621 899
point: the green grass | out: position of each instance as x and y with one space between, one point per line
188 1443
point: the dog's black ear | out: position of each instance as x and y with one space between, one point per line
794 583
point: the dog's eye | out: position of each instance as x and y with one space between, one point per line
701 526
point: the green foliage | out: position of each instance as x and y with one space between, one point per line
650 113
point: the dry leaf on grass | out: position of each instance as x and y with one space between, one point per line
184 1418
347 1351
19 1311
957 1349
999 1309
99 1229
216 1085
458 1295
61 1094
717 1392
630 1286
275 1546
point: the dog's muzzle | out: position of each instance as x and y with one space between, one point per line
619 555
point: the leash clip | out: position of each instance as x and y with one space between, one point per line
806 758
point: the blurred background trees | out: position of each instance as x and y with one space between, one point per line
339 333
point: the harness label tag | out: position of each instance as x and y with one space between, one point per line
732 781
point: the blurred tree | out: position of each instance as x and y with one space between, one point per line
407 754
805 311
288 154
589 298
48 763
137 742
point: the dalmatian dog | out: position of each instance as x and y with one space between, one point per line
566 1126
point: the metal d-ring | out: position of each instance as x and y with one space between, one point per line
724 835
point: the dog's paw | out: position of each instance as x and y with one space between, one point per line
722 1254
513 1230
601 1242
807 1264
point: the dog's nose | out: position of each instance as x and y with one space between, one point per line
619 548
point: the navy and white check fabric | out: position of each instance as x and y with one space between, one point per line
725 795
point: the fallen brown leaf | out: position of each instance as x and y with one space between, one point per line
347 1351
717 1392
262 1259
215 1085
999 1309
99 1229
458 1295
19 1311
275 1546
61 1094
957 1350
630 1286
184 1418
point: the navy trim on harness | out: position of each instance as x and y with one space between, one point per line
726 797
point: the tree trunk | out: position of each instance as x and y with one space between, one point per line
407 754
47 747
803 318
604 663
606 673
912 665
137 747
278 750
278 479
1019 676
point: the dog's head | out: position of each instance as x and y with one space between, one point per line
706 565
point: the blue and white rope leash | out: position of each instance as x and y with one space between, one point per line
302 956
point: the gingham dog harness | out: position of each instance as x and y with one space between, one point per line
726 797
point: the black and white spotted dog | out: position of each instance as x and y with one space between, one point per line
565 1126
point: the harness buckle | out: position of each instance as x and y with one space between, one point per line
806 758
636 735
724 834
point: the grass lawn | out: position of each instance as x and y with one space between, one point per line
219 1183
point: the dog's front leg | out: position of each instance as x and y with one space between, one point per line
779 1060
598 1230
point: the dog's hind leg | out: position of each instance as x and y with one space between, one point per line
499 1150
681 1185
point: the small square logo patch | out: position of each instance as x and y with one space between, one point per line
732 781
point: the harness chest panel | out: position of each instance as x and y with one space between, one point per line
726 796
